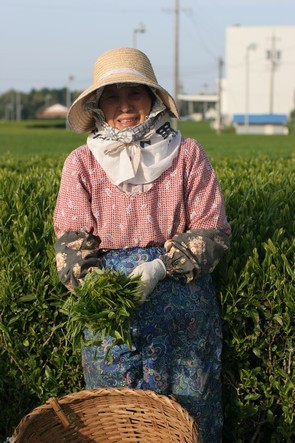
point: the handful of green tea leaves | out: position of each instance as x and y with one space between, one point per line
104 304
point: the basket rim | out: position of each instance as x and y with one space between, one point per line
74 400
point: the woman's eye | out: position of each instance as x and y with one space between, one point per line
135 92
109 97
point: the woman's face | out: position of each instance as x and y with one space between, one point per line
125 106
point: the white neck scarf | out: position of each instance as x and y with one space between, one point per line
138 155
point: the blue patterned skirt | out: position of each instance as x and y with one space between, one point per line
177 342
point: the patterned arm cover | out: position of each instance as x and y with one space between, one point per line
194 253
188 256
77 254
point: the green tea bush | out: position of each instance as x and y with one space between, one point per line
37 362
255 283
256 288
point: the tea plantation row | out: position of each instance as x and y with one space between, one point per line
255 285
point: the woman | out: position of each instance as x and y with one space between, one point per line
140 198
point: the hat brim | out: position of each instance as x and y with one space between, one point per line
83 121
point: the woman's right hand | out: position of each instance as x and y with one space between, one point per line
151 273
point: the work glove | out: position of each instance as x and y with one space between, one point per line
151 273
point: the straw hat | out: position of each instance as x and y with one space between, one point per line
121 65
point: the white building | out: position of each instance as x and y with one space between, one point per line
257 92
260 77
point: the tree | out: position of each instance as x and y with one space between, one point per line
14 103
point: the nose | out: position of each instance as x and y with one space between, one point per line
125 104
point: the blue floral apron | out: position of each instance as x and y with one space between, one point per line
177 342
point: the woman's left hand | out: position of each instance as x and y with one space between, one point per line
151 273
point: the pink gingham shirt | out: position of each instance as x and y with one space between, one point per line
186 196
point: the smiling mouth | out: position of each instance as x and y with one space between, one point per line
128 121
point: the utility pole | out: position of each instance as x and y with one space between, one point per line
12 106
219 94
18 107
141 29
273 56
250 47
176 56
69 97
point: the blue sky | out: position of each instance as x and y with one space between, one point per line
43 43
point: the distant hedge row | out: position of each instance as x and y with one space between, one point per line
255 284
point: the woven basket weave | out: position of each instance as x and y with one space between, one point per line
108 415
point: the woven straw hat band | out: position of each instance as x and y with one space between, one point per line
120 65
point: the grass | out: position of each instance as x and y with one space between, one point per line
29 138
231 145
51 139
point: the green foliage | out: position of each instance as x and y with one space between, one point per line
291 123
255 283
34 354
104 304
256 287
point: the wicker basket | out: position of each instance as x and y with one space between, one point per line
108 415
